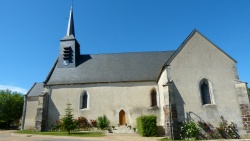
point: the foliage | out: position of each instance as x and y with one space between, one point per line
146 125
57 126
11 107
208 131
68 122
93 123
75 134
82 123
248 90
189 130
228 131
202 130
102 122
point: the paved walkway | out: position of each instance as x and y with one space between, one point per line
10 136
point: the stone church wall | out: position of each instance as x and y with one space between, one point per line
31 109
134 98
199 59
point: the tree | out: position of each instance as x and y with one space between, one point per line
11 107
248 90
68 122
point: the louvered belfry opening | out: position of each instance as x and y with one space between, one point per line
66 53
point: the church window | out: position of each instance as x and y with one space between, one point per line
84 100
206 92
153 95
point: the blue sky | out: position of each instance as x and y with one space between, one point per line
31 31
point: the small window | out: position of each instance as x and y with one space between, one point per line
205 92
153 98
84 100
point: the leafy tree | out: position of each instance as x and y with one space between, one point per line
248 90
11 107
102 122
68 122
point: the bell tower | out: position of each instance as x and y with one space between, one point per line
69 51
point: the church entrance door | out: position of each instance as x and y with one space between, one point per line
122 117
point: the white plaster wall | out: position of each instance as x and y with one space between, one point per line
163 93
197 60
109 99
32 105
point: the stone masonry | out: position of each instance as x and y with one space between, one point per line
245 110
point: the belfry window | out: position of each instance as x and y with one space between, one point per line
153 95
205 92
84 100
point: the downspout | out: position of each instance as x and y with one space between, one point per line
24 111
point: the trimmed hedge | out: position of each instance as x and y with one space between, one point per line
146 126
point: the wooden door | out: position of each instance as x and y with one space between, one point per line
122 117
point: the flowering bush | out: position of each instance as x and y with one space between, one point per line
57 126
93 123
209 132
189 130
228 131
82 123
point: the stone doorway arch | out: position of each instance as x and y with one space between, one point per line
122 117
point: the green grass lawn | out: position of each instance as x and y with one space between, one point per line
73 134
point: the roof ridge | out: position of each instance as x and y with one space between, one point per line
130 52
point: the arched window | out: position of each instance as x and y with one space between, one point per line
153 95
205 92
84 100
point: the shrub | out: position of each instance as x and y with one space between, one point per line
102 122
189 130
228 131
57 126
93 123
207 131
82 123
146 126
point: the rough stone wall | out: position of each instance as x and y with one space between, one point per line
167 120
245 110
175 122
241 89
168 123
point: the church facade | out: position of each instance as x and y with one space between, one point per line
198 81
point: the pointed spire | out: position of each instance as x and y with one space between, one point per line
71 30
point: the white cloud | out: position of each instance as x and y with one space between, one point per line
14 89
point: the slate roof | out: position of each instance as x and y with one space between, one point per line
35 90
108 68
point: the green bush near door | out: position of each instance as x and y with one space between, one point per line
146 126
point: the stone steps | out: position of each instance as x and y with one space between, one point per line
123 130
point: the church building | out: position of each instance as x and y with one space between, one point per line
197 81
